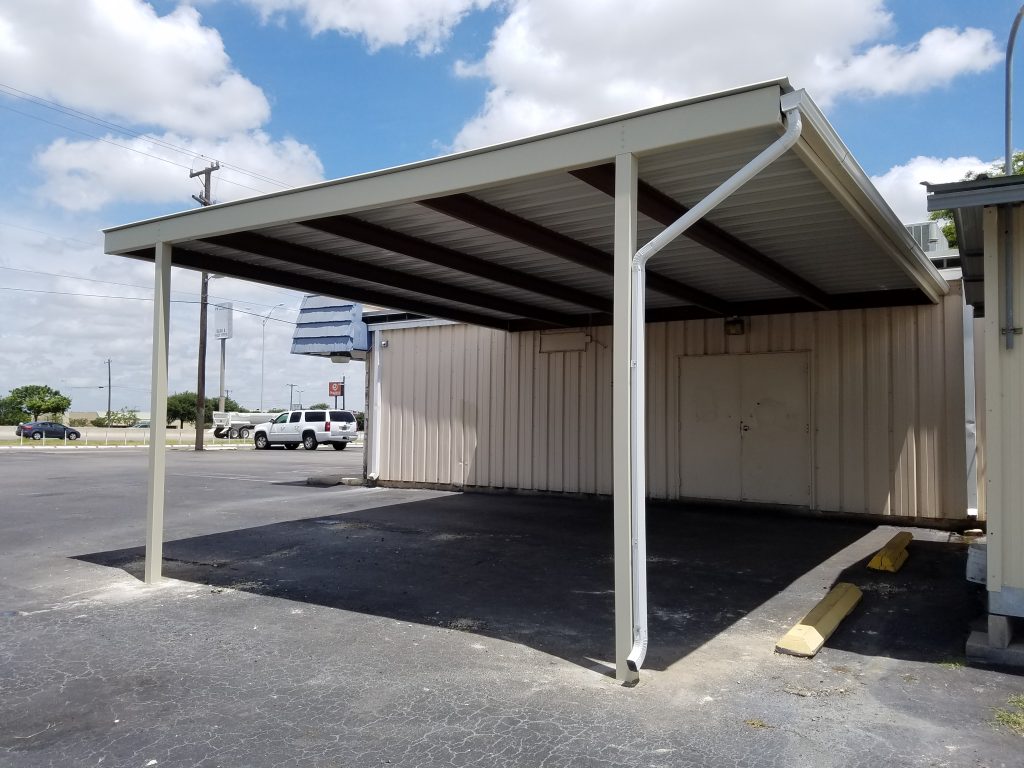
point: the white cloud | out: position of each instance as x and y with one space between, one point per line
69 336
425 23
559 62
87 175
901 184
883 70
121 59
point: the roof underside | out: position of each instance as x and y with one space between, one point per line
520 236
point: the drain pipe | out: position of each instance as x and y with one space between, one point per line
790 105
1009 330
374 413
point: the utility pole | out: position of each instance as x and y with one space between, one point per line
108 391
291 395
204 200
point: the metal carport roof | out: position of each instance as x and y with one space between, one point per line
543 233
519 236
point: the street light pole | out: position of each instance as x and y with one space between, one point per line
263 342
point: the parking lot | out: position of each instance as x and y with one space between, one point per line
349 626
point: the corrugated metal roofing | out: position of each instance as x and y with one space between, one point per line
515 240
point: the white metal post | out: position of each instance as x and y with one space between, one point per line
622 427
158 414
223 357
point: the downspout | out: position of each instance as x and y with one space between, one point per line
1009 329
373 428
790 105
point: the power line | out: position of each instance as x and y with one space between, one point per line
132 298
47 234
122 146
135 285
86 117
147 287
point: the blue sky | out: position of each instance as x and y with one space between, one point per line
300 90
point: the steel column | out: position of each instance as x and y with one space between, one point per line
158 414
622 425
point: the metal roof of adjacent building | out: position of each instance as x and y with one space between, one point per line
967 201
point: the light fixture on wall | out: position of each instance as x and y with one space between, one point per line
734 326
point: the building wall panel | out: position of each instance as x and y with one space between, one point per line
885 389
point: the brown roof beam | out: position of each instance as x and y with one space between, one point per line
183 257
901 297
486 216
415 248
261 245
658 206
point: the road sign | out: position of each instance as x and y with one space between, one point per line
222 321
336 389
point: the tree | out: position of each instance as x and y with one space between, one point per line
181 407
320 405
996 169
35 399
10 411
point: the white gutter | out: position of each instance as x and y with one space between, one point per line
790 105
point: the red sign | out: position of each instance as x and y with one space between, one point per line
335 389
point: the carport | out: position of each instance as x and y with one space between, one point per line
542 234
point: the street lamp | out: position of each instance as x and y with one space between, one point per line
263 341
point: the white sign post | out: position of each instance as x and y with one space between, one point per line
222 329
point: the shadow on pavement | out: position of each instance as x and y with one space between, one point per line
539 571
921 613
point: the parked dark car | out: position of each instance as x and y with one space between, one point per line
37 430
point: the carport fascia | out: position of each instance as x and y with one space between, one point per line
620 141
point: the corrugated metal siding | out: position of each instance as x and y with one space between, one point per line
1001 407
469 406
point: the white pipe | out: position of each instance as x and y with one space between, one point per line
1008 165
638 436
374 426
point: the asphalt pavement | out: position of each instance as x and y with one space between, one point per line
350 626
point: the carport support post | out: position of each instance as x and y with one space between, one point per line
158 414
622 425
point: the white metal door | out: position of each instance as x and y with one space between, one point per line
709 438
745 428
775 444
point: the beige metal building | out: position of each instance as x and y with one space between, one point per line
841 392
858 411
990 226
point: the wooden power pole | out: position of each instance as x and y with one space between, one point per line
204 199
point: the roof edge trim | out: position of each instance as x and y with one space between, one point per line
831 160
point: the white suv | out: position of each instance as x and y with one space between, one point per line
308 429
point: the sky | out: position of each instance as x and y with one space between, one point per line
107 105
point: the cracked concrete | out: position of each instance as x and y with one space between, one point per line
362 627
